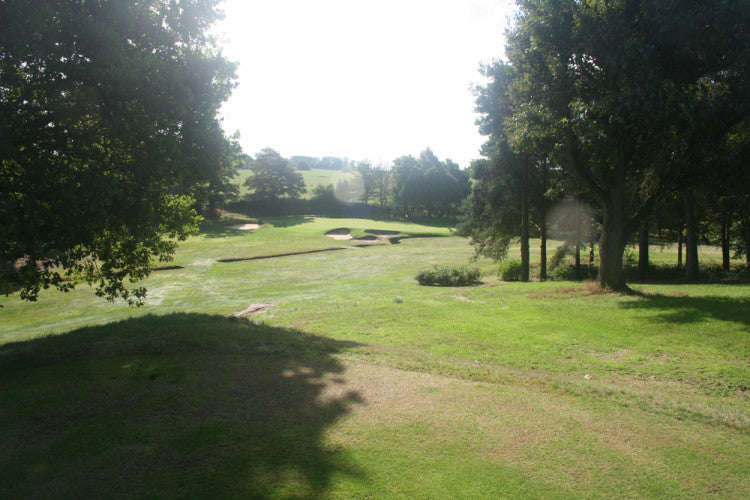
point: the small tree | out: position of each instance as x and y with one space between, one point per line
273 177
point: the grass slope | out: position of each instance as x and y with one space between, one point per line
520 390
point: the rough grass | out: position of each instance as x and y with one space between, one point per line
501 390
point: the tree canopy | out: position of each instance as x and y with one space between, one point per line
273 177
428 185
108 132
632 94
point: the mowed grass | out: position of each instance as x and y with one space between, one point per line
342 390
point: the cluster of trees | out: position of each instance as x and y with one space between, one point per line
324 163
637 107
109 139
273 177
423 186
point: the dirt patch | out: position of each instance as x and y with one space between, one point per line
252 309
246 226
588 289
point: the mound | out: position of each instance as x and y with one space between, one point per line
382 232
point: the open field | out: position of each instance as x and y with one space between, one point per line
360 383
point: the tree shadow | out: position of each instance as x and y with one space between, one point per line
687 309
289 220
175 405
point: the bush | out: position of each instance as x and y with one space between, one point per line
447 276
567 272
510 270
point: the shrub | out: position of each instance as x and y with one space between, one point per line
567 272
510 270
447 276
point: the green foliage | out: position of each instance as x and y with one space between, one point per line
510 270
449 276
567 272
631 99
108 133
425 185
273 177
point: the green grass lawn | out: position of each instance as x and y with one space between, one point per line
344 391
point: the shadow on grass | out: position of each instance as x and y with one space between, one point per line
213 229
289 221
177 405
685 309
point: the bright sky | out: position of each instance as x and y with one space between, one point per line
363 79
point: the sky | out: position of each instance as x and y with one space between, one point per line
362 79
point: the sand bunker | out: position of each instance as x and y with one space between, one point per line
343 233
340 233
246 226
253 309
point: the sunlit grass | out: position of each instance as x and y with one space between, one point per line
340 390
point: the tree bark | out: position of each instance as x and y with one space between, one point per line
612 245
643 251
725 224
578 240
691 243
746 234
543 249
592 225
524 220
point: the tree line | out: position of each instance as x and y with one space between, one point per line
641 109
422 186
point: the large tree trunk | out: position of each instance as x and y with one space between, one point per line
725 225
524 220
578 240
612 246
746 235
691 243
643 251
679 248
592 230
543 249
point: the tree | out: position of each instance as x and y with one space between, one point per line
365 172
625 83
273 178
427 185
511 191
108 129
221 187
381 182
